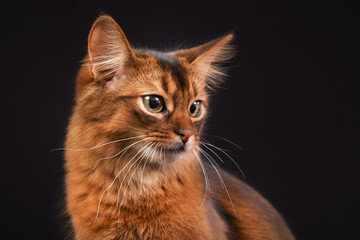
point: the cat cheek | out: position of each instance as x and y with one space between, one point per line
198 125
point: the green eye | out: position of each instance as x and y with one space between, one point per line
195 109
153 103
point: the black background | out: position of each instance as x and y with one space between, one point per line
289 101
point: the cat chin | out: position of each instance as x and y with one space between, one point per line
177 152
170 154
176 149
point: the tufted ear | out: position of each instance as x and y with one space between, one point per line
207 57
108 49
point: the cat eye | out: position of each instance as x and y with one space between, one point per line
195 109
154 104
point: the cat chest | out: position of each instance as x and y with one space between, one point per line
163 222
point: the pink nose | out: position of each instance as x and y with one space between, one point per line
185 134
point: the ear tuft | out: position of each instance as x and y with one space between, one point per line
108 48
207 59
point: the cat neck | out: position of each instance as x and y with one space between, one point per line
138 179
129 182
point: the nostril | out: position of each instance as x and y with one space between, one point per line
185 134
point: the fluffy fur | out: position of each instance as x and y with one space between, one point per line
136 174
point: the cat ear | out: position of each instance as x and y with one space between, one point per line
108 49
207 58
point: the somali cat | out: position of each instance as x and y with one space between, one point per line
133 166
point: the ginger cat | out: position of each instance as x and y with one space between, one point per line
133 165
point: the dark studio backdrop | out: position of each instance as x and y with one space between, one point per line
289 102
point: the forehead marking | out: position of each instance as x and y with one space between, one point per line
171 64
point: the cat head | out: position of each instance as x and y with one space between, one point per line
157 98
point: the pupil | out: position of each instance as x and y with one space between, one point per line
193 108
154 102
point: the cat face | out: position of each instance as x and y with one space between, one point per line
169 101
159 100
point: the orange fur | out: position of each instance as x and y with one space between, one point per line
124 179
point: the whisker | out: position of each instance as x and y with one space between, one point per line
97 146
145 155
211 145
122 151
220 178
112 183
207 155
117 154
142 154
212 152
129 148
207 183
141 159
226 140
142 174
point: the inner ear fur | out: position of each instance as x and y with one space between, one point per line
108 49
207 57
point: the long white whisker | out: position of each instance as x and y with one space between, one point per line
97 146
117 154
142 154
226 140
230 142
207 183
207 155
207 142
152 157
141 159
122 151
211 145
112 183
220 178
212 152
127 148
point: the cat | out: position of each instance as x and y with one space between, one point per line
133 165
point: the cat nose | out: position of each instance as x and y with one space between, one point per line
185 134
